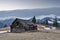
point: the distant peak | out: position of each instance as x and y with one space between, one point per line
43 16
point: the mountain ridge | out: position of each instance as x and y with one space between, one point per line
41 14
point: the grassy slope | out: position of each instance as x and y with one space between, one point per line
42 35
30 36
6 28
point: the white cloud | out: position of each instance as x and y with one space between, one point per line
13 17
43 16
26 18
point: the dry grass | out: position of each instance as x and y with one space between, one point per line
6 28
30 36
41 35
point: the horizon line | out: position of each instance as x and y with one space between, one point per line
28 9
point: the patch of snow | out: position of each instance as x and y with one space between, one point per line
43 26
8 31
51 19
13 17
46 28
58 21
53 27
43 16
5 31
50 22
38 28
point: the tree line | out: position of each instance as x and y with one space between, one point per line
55 23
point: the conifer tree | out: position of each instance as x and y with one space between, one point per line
34 20
46 23
55 23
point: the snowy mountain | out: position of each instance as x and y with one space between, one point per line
7 22
1 25
40 19
7 17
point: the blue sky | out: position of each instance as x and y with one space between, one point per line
28 4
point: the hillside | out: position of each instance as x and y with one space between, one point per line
30 36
